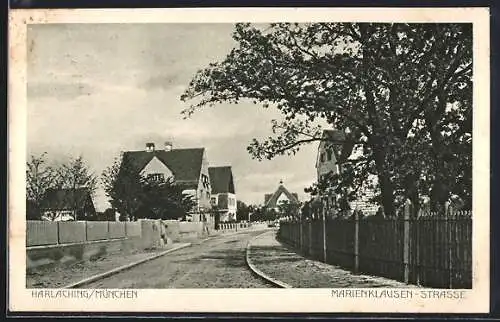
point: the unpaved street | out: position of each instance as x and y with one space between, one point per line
215 263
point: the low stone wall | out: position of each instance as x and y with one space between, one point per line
60 254
39 233
116 230
71 232
97 230
60 242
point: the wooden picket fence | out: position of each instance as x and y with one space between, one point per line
430 250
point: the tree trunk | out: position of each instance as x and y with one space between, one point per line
440 188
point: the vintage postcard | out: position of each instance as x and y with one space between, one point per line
249 160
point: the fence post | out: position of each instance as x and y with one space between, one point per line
310 238
356 241
59 234
86 234
324 235
406 241
449 223
301 242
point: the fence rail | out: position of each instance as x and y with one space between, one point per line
430 250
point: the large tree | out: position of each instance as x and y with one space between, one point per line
39 178
77 175
403 90
123 186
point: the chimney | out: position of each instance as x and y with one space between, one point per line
150 147
168 146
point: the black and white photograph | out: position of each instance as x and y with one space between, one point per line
333 155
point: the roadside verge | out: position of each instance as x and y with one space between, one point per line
124 267
257 271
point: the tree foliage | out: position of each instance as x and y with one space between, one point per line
404 91
123 186
163 199
39 178
77 174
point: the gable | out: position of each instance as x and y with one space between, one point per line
282 197
274 200
184 164
156 166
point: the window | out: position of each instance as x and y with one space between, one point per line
322 157
208 195
205 181
156 176
329 155
213 200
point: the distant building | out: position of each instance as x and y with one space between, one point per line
273 200
223 192
334 151
67 205
187 167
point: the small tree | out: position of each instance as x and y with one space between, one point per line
109 214
163 199
286 208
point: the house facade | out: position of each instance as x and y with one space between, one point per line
281 195
187 167
223 196
334 151
67 205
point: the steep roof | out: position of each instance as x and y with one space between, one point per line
66 199
340 138
221 179
185 164
334 135
272 201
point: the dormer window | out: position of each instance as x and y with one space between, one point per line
156 176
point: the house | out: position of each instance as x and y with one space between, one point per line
187 167
273 200
334 151
67 204
223 192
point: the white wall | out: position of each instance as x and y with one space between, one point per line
156 166
203 197
325 166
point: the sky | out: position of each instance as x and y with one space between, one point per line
98 89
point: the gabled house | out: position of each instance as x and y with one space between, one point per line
67 205
223 192
334 151
187 167
272 201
